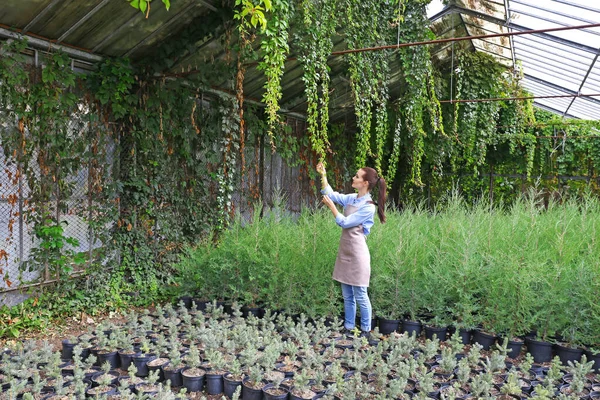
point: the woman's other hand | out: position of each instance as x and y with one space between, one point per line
328 202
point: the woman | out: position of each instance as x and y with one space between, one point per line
353 263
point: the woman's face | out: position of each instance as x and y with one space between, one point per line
358 181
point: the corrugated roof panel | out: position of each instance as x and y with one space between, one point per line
584 109
552 14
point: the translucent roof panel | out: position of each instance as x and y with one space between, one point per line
559 67
563 61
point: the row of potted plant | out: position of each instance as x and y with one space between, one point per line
173 351
522 271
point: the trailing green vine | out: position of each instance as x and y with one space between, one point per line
419 96
275 49
317 22
367 25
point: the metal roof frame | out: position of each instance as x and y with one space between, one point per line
543 53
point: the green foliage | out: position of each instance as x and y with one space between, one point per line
144 5
525 268
275 49
316 26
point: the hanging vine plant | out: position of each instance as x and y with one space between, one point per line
419 97
317 23
275 49
480 76
367 25
514 118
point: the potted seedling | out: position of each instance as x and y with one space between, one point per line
214 376
126 351
192 375
172 370
131 379
253 383
232 379
106 372
274 391
150 387
105 388
141 359
301 389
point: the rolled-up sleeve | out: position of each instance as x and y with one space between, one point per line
339 198
365 213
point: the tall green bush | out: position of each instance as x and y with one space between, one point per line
508 270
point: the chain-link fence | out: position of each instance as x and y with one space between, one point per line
267 177
17 238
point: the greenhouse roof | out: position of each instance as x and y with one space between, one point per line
560 68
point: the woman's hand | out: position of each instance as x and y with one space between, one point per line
321 168
329 203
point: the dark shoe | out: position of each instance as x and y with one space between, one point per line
367 335
350 332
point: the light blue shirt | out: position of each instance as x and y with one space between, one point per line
363 215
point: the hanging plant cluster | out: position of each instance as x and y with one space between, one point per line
367 25
479 76
275 49
316 27
44 138
419 97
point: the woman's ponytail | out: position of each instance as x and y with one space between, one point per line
381 199
376 181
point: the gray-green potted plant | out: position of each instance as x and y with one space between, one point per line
192 376
146 353
149 388
253 383
232 379
214 376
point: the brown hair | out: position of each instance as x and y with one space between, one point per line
370 175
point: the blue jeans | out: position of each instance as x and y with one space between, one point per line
353 295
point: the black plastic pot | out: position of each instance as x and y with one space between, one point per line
126 359
387 326
214 383
249 393
159 368
112 357
595 357
230 385
484 339
258 312
269 396
140 361
540 351
174 375
192 383
514 347
67 350
411 327
439 332
187 301
465 335
567 354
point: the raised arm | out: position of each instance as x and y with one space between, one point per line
339 198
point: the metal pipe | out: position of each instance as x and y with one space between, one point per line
517 98
42 43
516 33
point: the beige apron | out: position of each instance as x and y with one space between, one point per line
353 262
